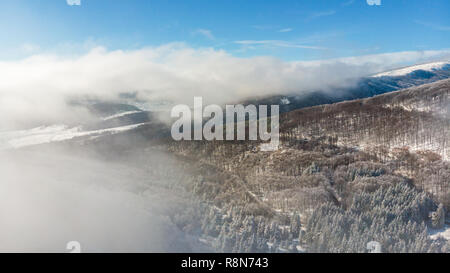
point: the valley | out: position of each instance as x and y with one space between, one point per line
345 174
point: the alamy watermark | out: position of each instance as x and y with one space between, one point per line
73 247
374 247
257 123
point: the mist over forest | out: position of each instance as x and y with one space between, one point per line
360 92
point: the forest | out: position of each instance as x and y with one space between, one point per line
346 174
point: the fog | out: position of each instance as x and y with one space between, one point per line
108 202
39 89
49 197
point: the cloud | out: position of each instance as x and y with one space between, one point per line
319 14
50 196
286 30
205 32
38 89
29 48
276 43
272 28
386 60
348 3
373 2
73 2
263 27
433 25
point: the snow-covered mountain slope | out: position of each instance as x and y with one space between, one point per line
398 79
441 233
417 118
410 69
120 115
108 119
55 133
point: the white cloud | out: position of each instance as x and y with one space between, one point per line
263 27
205 32
276 43
433 25
374 2
73 2
106 206
29 48
319 14
37 89
348 3
285 30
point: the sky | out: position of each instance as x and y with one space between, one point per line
53 52
56 55
289 30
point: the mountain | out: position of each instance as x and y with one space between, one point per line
108 119
366 87
346 173
118 117
431 68
418 117
354 171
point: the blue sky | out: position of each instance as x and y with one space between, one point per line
290 30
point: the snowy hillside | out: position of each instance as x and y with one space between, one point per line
366 87
407 70
55 133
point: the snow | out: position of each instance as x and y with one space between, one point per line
154 105
55 133
301 249
444 233
285 101
121 115
410 69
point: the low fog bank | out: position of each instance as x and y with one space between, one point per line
49 197
40 89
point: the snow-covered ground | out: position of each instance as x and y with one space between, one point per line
154 105
409 69
121 115
55 133
285 101
444 233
